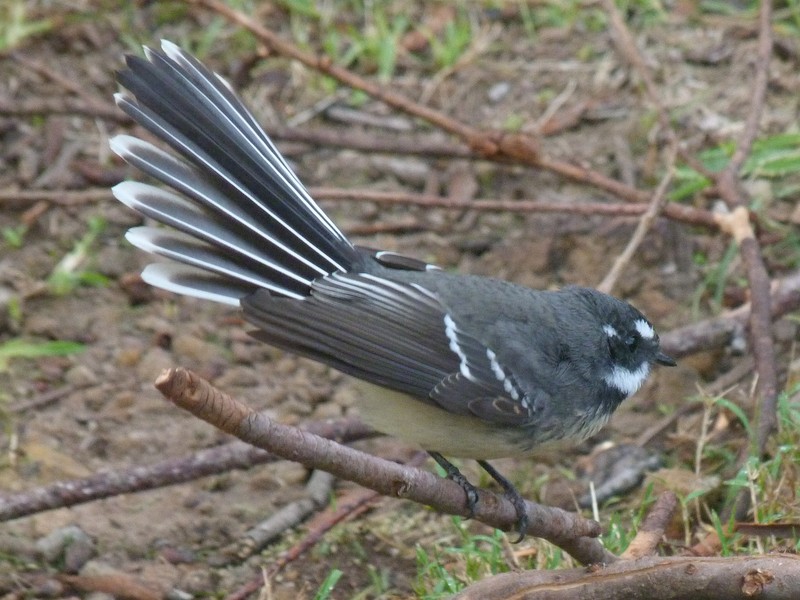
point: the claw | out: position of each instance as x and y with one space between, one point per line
455 475
510 492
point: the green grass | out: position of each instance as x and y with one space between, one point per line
775 158
16 25
771 174
71 271
325 590
20 348
771 484
14 236
446 569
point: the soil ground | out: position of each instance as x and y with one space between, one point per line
176 538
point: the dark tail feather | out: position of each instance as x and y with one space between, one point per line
246 220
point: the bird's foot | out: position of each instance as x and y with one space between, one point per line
510 492
455 475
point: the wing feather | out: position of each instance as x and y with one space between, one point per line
398 335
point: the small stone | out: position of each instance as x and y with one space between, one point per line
194 348
152 363
115 261
78 554
346 395
69 545
243 377
81 376
498 91
327 410
94 398
125 399
129 356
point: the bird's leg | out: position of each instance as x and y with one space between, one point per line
455 475
513 495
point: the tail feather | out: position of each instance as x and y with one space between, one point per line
199 125
198 283
228 237
243 197
188 250
216 87
191 183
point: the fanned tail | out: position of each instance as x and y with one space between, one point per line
241 219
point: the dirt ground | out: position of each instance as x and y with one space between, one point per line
108 416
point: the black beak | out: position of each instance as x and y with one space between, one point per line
665 360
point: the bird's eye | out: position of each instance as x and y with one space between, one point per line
632 342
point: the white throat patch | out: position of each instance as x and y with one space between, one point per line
625 380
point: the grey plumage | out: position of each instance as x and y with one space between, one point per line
508 366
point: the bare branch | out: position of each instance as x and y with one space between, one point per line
677 212
520 148
59 196
715 332
211 461
756 271
567 530
653 527
652 578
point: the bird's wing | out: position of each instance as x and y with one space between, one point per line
394 334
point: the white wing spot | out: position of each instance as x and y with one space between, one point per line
625 380
645 329
508 386
451 331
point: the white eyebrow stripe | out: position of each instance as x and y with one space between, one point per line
610 331
645 329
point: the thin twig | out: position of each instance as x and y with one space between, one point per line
758 279
60 106
352 504
630 51
323 64
372 142
58 196
716 331
45 398
520 148
318 491
219 459
758 88
645 222
653 527
347 507
70 85
677 212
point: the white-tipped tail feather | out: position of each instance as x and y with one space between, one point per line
240 214
197 283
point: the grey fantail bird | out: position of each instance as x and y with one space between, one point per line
478 367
